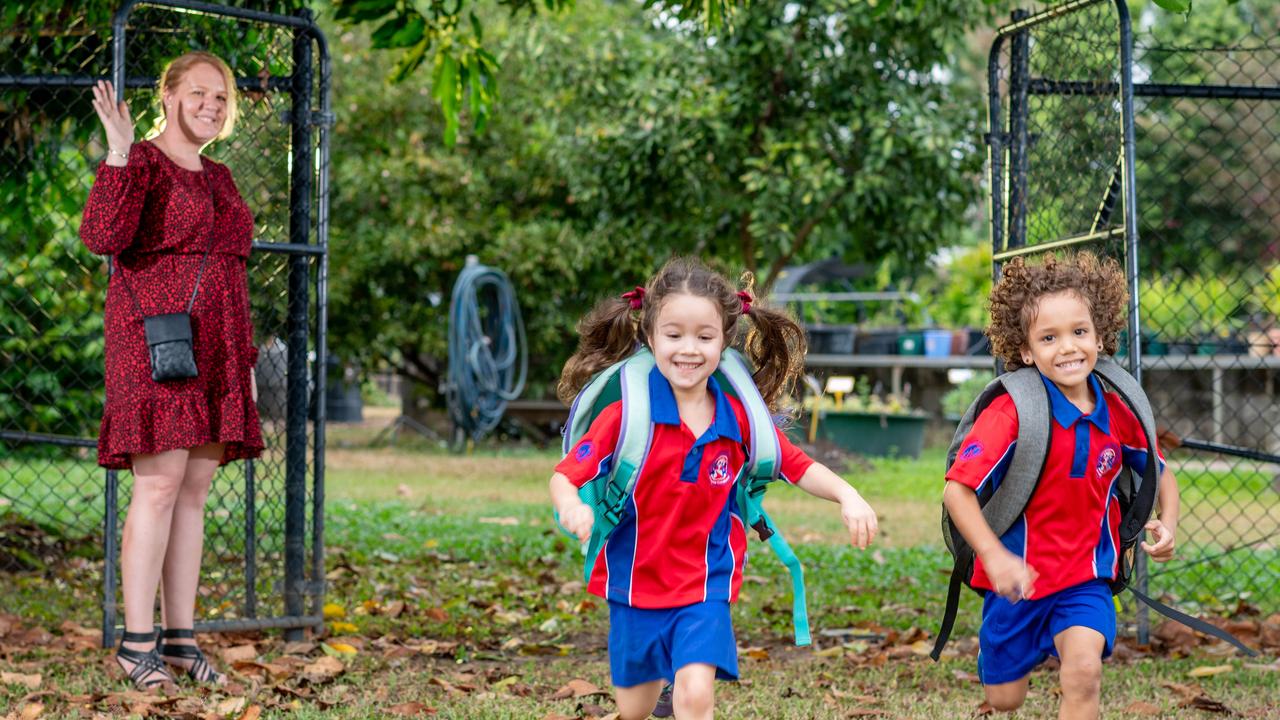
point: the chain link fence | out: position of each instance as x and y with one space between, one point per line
1199 98
262 515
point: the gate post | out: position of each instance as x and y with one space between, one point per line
296 386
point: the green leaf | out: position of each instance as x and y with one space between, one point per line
1179 6
363 10
400 31
410 61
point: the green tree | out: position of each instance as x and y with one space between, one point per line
808 131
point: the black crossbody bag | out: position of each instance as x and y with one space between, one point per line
169 336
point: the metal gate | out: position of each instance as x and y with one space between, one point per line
263 561
1161 153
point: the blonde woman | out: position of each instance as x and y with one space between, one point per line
180 234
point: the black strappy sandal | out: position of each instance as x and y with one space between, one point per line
148 671
200 670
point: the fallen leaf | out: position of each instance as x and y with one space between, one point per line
31 682
338 649
965 676
575 689
325 668
393 609
1209 671
231 705
411 709
240 653
437 613
343 628
334 610
253 712
403 490
1273 667
1139 707
299 648
557 716
31 711
756 653
1208 704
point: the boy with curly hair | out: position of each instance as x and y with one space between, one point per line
1047 576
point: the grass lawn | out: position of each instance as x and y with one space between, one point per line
454 591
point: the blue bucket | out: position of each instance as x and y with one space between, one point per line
937 343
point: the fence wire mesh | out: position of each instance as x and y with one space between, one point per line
1206 144
52 291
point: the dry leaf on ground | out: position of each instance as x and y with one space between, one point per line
31 682
411 709
577 688
240 653
323 669
1209 671
1139 707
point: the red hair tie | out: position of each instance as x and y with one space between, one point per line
745 297
635 298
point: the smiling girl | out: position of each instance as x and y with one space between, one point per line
675 561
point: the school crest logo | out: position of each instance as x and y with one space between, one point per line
971 451
584 451
718 471
1106 460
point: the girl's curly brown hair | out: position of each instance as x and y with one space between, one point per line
1100 283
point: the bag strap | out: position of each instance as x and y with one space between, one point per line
635 434
1009 501
959 571
213 199
1144 497
1193 622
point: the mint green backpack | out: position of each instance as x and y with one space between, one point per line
607 495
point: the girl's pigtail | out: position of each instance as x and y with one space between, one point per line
776 348
607 334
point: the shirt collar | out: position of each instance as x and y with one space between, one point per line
1065 412
664 410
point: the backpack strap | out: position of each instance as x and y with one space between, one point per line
1007 502
608 496
1142 492
764 463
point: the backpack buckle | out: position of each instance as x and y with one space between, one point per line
762 529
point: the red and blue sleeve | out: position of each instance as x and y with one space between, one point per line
985 454
794 462
592 456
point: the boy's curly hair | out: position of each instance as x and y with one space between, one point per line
1015 300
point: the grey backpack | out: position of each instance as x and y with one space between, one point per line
1004 505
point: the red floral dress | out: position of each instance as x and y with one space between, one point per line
158 218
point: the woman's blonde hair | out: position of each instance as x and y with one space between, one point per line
177 68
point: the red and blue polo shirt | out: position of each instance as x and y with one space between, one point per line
1070 530
680 540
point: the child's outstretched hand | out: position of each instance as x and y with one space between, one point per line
1162 549
578 519
1011 577
860 519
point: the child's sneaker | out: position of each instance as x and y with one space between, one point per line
664 708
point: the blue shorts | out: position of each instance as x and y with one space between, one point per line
651 644
1016 637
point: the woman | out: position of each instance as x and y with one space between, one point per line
178 228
